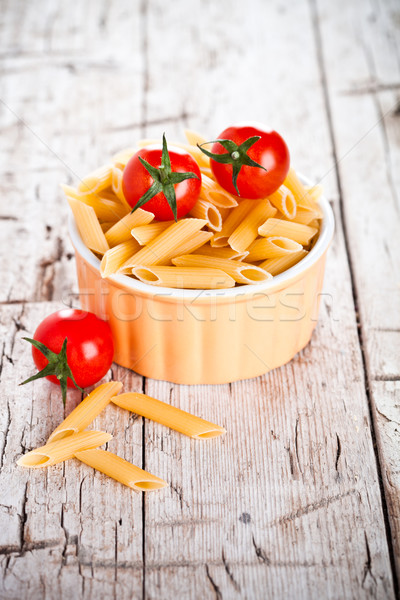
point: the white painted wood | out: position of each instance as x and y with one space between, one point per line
362 84
66 532
288 431
288 504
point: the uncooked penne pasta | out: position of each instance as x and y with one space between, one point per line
293 183
205 210
97 180
314 192
232 221
106 225
193 137
184 278
146 233
106 208
284 201
168 415
86 411
239 271
121 470
88 226
114 258
116 183
196 241
226 252
56 452
160 250
282 263
247 231
214 193
271 247
122 157
306 215
295 231
121 231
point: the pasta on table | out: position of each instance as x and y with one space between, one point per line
222 242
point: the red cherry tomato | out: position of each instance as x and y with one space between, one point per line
90 347
136 181
270 151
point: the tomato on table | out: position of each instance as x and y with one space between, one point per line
168 182
249 161
72 348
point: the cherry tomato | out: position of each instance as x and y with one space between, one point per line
270 151
137 180
90 347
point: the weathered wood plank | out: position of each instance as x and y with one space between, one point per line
70 80
66 531
286 509
362 90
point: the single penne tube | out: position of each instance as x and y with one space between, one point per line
282 263
271 247
306 215
116 184
192 278
212 192
205 210
196 241
121 470
64 449
207 171
295 231
160 250
97 180
88 226
106 208
86 411
146 233
300 193
239 271
121 231
227 252
168 415
106 225
123 156
193 137
247 231
232 221
315 192
284 201
114 258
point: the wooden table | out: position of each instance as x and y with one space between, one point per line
301 498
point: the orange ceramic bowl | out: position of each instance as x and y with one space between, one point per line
207 336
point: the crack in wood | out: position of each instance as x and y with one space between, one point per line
368 563
309 508
261 555
216 589
347 243
338 451
229 573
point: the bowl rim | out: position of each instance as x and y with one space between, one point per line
321 245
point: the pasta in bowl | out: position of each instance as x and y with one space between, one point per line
203 299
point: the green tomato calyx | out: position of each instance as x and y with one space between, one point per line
236 155
164 180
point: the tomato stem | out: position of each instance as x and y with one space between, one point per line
164 180
236 156
57 365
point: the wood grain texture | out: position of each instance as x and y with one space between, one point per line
288 504
363 90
